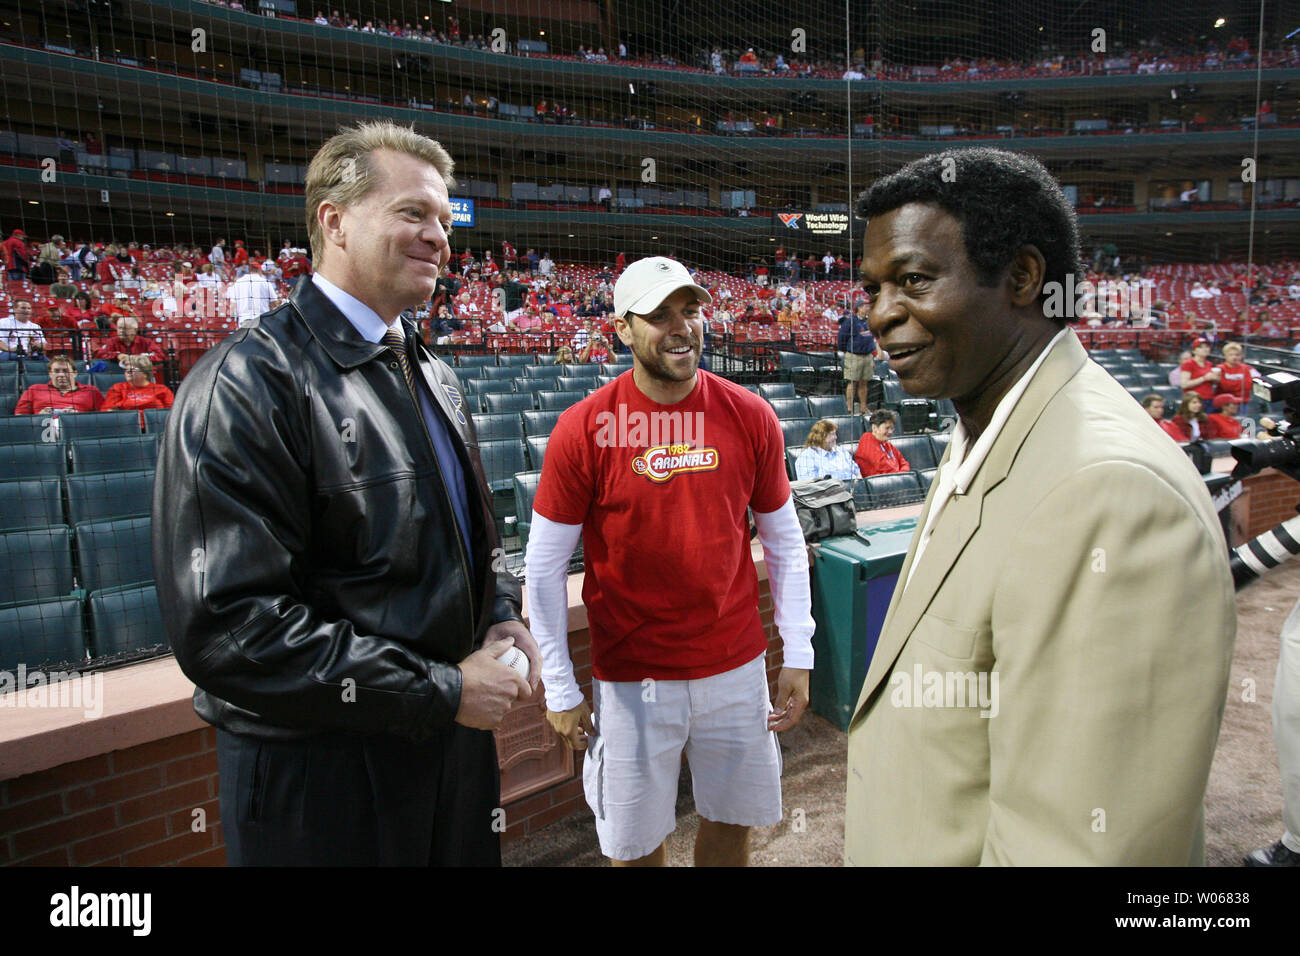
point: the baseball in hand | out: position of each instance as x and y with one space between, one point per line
516 660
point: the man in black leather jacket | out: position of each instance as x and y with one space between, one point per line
325 551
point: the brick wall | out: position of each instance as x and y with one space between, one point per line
135 807
130 807
1272 499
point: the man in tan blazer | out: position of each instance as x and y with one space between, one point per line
1049 680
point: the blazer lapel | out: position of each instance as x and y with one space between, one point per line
962 515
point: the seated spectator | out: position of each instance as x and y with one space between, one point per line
83 313
127 343
1155 406
62 288
526 321
1199 374
61 393
563 356
876 454
595 352
1223 423
823 456
1191 421
444 325
139 390
19 335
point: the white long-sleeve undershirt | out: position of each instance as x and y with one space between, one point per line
550 545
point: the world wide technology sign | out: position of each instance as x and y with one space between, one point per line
811 223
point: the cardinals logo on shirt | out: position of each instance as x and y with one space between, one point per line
662 462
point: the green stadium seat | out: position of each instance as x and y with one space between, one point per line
940 445
773 390
893 394
540 423
39 634
108 496
917 449
36 565
558 401
516 360
155 420
603 380
28 429
501 459
112 554
586 371
791 456
507 402
99 425
123 620
508 373
537 449
796 430
525 486
475 361
496 426
35 460
788 408
890 491
30 503
103 380
546 373
825 406
99 455
927 476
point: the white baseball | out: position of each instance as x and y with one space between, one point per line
516 660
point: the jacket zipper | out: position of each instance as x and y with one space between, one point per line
451 507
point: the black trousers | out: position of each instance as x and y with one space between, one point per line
352 800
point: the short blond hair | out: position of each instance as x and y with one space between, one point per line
342 171
1234 346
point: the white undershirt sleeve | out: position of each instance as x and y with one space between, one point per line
786 556
546 564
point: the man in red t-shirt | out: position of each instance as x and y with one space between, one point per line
1223 423
1199 374
128 342
61 393
1236 378
876 454
656 471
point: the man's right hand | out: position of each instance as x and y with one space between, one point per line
573 726
489 688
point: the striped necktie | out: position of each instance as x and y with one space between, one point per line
396 341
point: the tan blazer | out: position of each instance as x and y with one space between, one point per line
1084 575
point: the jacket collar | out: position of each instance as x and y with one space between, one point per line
961 517
330 327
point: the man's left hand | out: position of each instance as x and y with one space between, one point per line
524 641
791 699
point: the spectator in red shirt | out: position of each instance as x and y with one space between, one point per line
127 343
1223 423
1191 421
1199 374
1235 376
1155 406
596 351
139 390
876 454
84 314
16 255
60 393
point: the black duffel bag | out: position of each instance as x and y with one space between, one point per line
825 508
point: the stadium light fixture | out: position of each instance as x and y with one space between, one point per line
32 202
1218 24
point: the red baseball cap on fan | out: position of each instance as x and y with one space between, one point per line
645 284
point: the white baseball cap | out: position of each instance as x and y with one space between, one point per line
268 266
645 284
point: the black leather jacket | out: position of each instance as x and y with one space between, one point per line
309 569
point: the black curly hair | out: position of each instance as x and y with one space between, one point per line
1003 201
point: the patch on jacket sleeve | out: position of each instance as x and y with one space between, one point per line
454 394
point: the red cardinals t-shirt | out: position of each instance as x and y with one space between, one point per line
1236 380
661 492
1199 370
